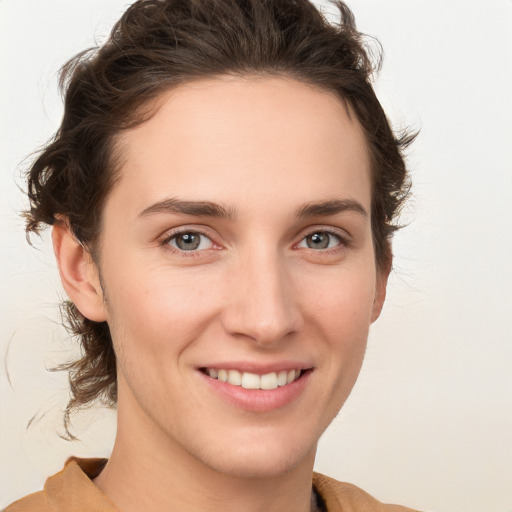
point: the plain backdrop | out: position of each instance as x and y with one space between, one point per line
429 423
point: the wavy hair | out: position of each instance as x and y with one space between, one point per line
157 45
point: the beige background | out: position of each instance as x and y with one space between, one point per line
430 421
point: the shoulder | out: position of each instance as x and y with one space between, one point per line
33 502
343 497
70 489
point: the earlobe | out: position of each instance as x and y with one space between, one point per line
78 273
380 293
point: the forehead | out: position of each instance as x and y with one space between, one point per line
245 135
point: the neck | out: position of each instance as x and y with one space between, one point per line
155 474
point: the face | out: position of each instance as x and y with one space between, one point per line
238 269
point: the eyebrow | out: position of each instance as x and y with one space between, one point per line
210 209
331 207
196 208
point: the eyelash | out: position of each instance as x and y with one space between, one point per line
344 241
165 242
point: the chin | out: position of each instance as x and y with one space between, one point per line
260 459
258 467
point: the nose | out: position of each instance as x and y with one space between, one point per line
261 303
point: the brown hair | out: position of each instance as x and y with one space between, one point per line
156 45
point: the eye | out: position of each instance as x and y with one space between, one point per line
320 240
190 241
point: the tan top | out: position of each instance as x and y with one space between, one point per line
72 490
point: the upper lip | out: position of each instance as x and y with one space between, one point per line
258 368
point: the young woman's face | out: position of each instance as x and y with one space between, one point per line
237 245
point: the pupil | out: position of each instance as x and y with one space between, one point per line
318 241
188 241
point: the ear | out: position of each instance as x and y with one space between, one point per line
78 273
380 292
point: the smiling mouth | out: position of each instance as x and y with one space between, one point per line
249 380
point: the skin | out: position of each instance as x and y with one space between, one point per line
255 291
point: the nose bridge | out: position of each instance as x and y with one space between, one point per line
262 306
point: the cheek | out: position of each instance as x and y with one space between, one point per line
344 298
341 311
158 310
349 315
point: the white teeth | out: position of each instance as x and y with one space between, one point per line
282 378
235 377
253 381
269 381
250 381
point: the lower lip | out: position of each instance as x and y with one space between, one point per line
258 400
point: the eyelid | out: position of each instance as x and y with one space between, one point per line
344 238
164 239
